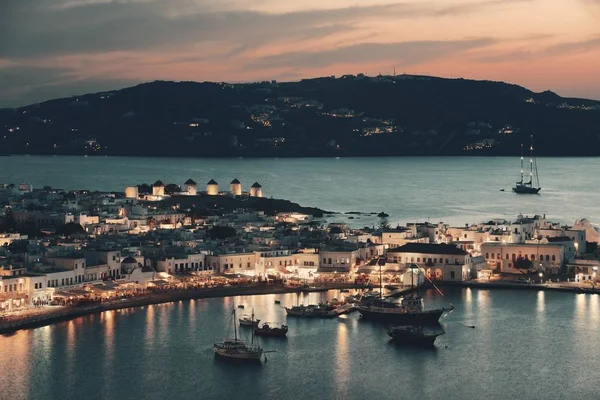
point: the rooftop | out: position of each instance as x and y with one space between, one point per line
429 248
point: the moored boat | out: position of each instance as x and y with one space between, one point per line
414 335
410 310
529 187
238 348
247 320
268 329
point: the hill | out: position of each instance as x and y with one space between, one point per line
346 116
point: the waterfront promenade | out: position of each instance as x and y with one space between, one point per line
38 317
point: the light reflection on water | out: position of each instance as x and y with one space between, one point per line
165 351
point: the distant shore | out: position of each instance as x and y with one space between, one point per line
69 313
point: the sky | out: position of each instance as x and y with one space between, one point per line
59 48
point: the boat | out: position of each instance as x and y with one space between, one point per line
409 311
312 289
414 335
241 306
247 320
528 187
268 329
238 348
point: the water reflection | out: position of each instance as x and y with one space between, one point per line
541 306
150 321
342 361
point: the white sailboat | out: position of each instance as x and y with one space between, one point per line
238 348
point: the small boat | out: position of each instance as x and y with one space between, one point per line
238 348
311 311
241 306
268 329
415 335
528 187
247 320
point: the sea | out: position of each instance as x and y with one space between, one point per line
498 343
454 190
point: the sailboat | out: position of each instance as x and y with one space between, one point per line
238 348
523 187
410 311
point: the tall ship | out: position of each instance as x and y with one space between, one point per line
532 186
409 311
238 348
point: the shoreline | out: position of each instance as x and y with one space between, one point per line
67 314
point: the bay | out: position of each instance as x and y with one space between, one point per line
455 190
525 345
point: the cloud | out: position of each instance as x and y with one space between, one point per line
26 85
402 54
556 50
102 25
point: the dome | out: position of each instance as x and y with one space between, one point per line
129 260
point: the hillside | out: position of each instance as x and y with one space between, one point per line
347 116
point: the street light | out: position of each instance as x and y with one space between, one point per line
541 276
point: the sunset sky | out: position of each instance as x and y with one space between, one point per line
57 48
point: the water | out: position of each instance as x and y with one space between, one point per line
526 345
455 190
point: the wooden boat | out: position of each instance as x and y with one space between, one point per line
238 348
247 320
414 335
268 329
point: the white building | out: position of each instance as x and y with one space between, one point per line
440 261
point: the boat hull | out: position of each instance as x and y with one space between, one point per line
256 355
526 190
398 318
272 332
249 323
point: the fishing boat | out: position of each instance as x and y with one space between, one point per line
533 185
414 335
409 311
238 348
268 329
247 320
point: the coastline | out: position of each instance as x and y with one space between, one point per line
69 313
66 314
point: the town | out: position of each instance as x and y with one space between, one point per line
60 250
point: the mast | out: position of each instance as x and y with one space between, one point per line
521 182
537 177
531 162
252 322
234 325
380 279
